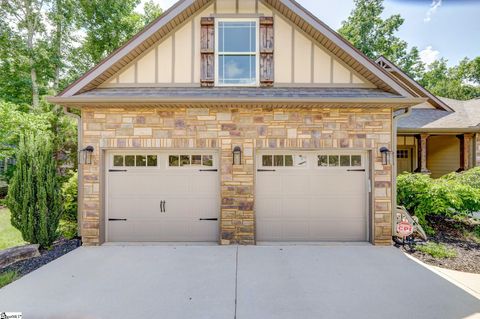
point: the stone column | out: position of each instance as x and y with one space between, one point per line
422 153
466 149
477 146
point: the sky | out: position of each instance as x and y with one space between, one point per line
439 28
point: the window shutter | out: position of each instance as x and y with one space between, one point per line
266 52
207 51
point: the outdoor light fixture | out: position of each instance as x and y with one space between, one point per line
386 155
85 155
237 156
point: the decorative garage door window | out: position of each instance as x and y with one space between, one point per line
190 160
135 160
284 161
334 160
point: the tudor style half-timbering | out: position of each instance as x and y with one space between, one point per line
237 121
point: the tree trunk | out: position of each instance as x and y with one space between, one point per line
31 26
58 45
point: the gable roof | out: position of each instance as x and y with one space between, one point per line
465 117
410 84
185 9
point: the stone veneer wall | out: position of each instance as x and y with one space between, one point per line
477 145
316 128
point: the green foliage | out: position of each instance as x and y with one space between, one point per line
7 278
9 235
438 251
67 229
459 82
69 195
34 196
14 121
448 197
374 36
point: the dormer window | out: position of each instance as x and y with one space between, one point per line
237 61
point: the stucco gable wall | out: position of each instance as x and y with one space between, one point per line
176 59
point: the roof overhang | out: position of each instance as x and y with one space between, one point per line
450 130
411 85
191 102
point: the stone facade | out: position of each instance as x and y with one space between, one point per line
477 146
223 129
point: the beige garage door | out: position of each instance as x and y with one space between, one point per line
162 196
311 196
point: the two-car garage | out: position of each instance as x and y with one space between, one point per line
174 196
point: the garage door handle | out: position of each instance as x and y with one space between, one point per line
117 219
209 219
209 170
355 170
117 170
266 170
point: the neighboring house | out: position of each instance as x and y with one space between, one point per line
5 163
440 135
262 83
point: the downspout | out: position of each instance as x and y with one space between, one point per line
406 112
79 170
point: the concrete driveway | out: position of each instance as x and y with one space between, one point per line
259 282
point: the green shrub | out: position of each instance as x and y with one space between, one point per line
437 250
69 196
470 177
68 229
448 196
34 196
7 278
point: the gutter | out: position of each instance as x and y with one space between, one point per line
471 129
79 170
407 112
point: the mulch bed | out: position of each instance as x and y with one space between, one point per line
451 233
60 248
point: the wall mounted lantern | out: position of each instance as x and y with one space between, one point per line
386 155
237 156
85 155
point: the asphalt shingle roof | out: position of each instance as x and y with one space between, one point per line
287 93
466 115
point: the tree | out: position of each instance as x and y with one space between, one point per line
108 24
27 16
375 36
34 195
458 82
151 11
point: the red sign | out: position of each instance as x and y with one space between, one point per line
404 229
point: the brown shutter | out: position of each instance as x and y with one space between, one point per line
207 51
266 51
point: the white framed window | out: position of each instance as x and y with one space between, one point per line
237 52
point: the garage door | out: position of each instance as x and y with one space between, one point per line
311 196
160 196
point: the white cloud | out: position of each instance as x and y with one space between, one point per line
433 8
429 55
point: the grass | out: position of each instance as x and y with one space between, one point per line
438 251
7 278
9 235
